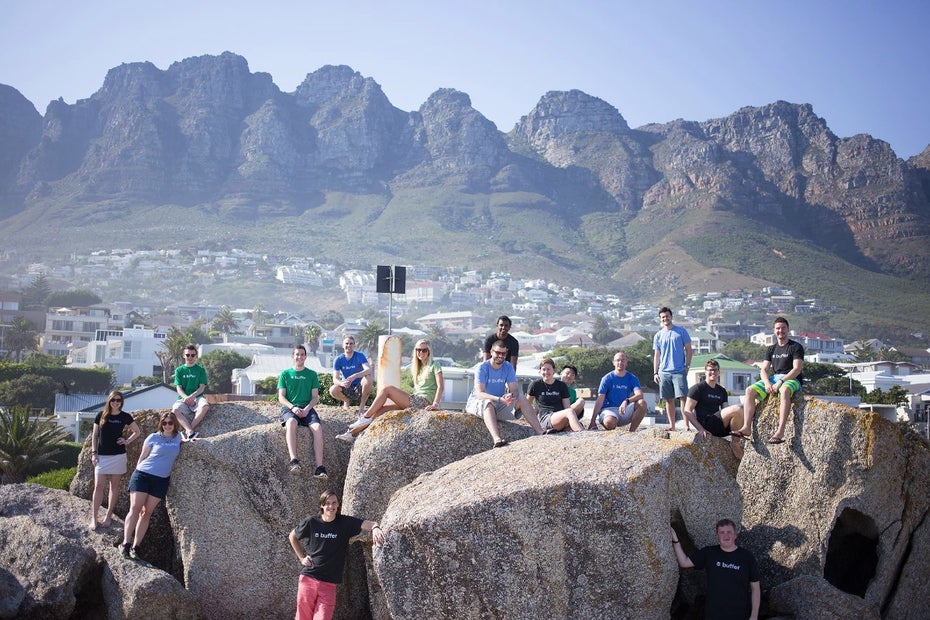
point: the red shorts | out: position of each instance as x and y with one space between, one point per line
316 600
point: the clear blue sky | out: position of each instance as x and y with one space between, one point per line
861 64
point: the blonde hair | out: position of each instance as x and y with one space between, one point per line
420 370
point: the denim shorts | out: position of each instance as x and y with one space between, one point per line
312 417
156 486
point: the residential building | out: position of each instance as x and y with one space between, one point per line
129 353
735 376
66 328
73 409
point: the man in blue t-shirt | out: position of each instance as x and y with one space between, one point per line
352 376
620 399
496 394
672 346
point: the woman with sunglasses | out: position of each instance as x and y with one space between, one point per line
149 482
108 454
428 386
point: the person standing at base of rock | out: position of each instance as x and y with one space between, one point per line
706 409
503 333
785 360
550 396
149 482
108 454
620 399
496 394
352 377
321 543
298 394
733 589
672 346
190 381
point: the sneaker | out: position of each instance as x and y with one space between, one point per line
124 551
294 466
320 473
134 554
362 422
347 437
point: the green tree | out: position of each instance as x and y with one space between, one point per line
896 395
331 319
143 380
29 390
268 385
35 294
225 322
219 366
743 350
312 335
75 298
20 338
25 443
367 339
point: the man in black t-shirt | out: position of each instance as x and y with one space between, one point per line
781 374
733 591
706 408
320 543
503 333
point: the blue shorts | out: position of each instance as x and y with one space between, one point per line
793 385
311 418
672 385
156 486
353 391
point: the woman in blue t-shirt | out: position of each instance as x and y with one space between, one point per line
108 454
149 482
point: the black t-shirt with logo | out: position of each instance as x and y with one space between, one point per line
549 397
782 358
327 544
729 574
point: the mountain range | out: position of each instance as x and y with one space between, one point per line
208 153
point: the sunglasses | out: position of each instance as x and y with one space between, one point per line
422 350
190 355
163 422
116 400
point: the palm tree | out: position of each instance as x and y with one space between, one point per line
367 339
225 321
312 334
19 338
26 443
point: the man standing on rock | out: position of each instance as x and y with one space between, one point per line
496 394
733 591
620 399
672 346
781 374
298 394
503 333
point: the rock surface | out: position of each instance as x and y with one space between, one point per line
813 598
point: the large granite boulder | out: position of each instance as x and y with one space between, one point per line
557 526
813 598
844 498
12 594
67 571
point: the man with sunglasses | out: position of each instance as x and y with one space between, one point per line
190 381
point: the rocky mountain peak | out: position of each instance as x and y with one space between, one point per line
563 112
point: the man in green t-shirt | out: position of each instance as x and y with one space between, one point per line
298 393
190 381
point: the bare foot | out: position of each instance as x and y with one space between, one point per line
92 526
670 428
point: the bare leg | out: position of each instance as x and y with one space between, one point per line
317 432
290 435
97 500
182 420
566 418
198 418
670 412
749 410
490 421
687 424
784 408
639 412
336 392
367 384
136 503
142 525
529 412
113 480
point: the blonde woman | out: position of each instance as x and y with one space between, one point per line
108 454
428 386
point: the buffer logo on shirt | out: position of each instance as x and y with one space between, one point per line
728 565
326 535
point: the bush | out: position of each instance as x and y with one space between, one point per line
56 478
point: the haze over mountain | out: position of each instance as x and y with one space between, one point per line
207 150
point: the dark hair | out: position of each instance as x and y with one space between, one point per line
547 360
191 347
106 406
725 522
665 309
325 495
573 369
501 344
300 347
712 362
780 319
169 416
504 318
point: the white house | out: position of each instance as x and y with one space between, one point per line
129 352
72 409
